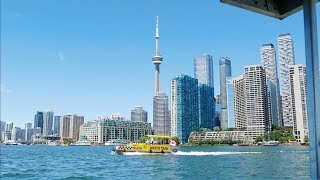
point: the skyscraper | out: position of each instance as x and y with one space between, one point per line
184 106
161 118
56 125
239 102
206 106
138 114
225 71
256 107
203 69
47 122
286 58
298 85
230 102
70 126
9 126
268 62
161 114
38 120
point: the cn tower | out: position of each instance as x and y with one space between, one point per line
157 59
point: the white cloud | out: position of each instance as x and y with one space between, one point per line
60 56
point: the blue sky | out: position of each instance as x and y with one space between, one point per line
93 57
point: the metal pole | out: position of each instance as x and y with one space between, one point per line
313 91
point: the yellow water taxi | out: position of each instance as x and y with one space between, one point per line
154 144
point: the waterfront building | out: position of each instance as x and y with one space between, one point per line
65 127
239 102
299 101
47 123
139 114
217 117
2 129
203 69
56 125
206 106
286 58
219 135
161 114
30 133
9 126
117 116
75 123
27 125
70 126
255 91
100 131
230 103
161 117
225 71
184 106
38 120
268 62
15 134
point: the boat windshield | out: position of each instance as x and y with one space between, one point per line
155 140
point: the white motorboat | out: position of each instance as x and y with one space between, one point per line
115 142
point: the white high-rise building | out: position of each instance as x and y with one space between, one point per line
47 122
268 62
299 101
203 69
286 58
236 102
256 108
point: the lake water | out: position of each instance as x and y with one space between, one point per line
205 162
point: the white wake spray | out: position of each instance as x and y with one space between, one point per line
201 153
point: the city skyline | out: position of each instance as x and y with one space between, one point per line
82 67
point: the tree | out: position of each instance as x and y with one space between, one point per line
176 139
259 139
306 139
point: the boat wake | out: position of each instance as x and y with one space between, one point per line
201 153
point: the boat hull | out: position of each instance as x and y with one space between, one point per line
143 148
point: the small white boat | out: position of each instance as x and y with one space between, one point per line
81 143
115 142
269 143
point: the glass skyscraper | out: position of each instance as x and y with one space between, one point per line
56 125
38 120
268 62
225 71
286 58
230 103
203 69
184 106
206 106
47 122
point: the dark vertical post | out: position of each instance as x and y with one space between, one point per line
313 91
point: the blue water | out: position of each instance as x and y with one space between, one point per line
210 162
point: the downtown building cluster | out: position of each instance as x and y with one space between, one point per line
46 127
253 102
